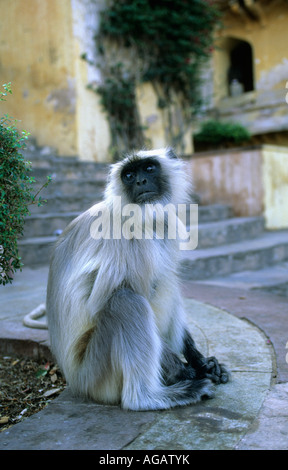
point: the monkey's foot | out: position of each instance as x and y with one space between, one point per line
214 371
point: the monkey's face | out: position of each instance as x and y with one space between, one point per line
143 180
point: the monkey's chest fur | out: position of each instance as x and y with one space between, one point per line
147 268
138 264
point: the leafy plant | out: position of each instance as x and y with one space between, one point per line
16 192
221 133
163 42
171 37
118 98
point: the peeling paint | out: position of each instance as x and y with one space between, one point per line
275 178
64 99
271 78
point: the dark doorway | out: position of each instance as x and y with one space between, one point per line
241 66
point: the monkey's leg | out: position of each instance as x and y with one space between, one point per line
208 367
173 368
136 351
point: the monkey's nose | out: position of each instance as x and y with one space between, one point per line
141 181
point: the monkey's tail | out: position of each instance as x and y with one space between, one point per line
190 391
165 397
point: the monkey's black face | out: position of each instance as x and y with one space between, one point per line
143 180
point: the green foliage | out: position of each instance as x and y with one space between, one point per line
118 98
16 193
167 42
7 89
220 133
171 37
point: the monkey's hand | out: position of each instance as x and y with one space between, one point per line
211 369
205 367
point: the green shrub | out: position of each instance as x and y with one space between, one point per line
221 133
164 43
16 193
172 38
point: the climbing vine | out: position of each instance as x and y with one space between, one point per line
163 42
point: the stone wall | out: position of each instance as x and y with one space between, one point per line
253 181
41 45
275 182
36 56
262 109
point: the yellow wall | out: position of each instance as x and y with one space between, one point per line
263 110
40 54
92 130
275 181
36 55
268 38
156 121
253 182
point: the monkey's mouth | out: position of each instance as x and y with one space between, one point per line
146 196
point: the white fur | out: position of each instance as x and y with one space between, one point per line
121 362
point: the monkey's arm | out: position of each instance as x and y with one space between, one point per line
207 367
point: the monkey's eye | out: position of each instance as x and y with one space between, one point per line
150 168
129 176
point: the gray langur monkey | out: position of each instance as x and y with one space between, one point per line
116 322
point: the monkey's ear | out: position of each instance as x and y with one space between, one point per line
170 153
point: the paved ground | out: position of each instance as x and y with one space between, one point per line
246 329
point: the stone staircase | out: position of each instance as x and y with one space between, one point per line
238 252
226 244
259 251
75 186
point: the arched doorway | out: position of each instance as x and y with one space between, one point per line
240 71
233 64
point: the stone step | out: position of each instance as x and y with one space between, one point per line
45 162
209 234
266 250
36 251
43 222
70 187
70 170
232 230
61 203
46 225
214 212
273 279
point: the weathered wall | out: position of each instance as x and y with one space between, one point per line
252 181
36 55
229 177
264 109
93 135
275 182
40 53
156 121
